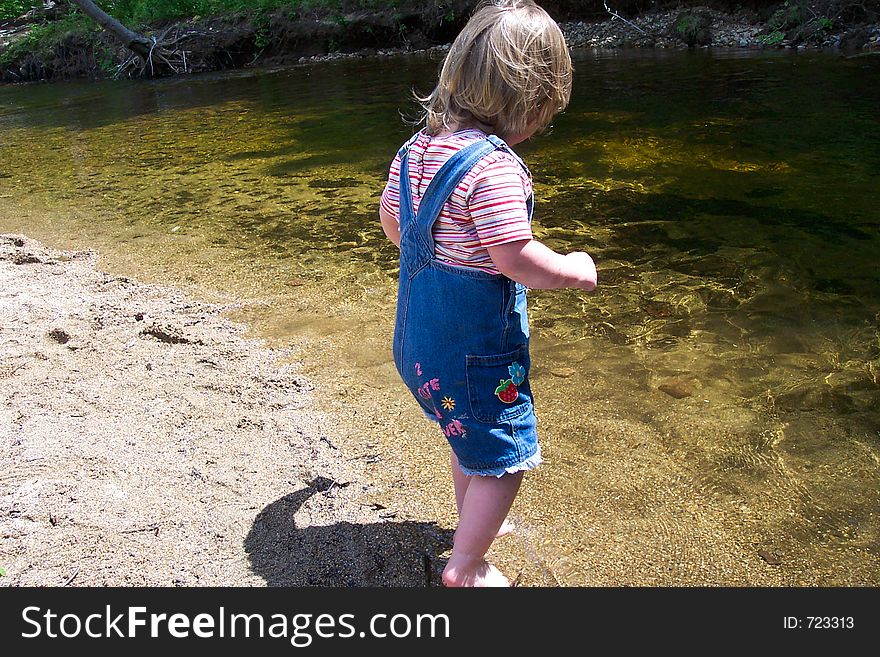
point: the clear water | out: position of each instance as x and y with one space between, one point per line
731 202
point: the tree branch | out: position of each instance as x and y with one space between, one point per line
131 40
614 15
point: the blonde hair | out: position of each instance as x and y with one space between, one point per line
509 69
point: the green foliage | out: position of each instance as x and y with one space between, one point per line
685 25
773 38
792 14
692 28
142 12
798 21
104 58
15 8
42 39
262 36
2 571
136 13
107 66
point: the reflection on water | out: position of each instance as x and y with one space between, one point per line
732 350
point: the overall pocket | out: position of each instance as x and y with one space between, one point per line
498 385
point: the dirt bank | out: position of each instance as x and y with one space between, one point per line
283 37
146 441
78 48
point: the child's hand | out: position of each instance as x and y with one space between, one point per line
583 270
538 266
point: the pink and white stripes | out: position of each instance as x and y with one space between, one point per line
487 208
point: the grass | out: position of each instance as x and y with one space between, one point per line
15 8
143 12
42 38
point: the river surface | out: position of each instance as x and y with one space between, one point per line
709 416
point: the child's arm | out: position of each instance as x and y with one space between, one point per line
390 226
537 266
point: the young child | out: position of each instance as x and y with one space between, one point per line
462 223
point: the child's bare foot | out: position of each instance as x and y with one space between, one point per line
507 527
481 574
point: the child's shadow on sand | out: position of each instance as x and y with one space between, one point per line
343 554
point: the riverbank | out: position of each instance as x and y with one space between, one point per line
146 441
58 45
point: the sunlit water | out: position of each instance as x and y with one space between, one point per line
731 202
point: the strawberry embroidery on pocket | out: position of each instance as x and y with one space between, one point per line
506 391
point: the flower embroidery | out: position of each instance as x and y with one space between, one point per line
448 403
517 373
419 369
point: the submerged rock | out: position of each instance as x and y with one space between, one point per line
770 557
676 388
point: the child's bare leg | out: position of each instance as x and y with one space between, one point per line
461 481
483 510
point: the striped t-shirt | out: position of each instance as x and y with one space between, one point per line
487 208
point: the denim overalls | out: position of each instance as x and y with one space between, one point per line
461 339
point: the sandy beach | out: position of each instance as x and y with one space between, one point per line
146 441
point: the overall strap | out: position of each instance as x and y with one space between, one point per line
406 215
409 142
442 185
